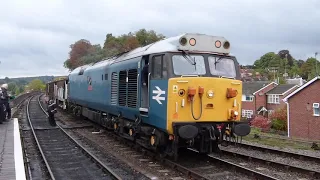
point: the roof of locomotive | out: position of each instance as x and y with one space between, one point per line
170 44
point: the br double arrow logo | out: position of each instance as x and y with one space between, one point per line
158 93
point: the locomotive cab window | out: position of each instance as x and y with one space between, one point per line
159 67
188 65
222 66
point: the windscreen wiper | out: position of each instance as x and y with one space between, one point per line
188 58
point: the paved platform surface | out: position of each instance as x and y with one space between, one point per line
11 157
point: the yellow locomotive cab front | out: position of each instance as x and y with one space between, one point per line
203 100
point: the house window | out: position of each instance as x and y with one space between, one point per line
316 109
247 98
273 99
247 113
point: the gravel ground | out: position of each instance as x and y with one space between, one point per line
119 167
134 159
275 158
203 165
280 173
299 151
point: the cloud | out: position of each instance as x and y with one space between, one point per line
35 35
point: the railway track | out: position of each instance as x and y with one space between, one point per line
235 166
283 162
191 166
64 157
280 152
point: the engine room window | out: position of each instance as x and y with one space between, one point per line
184 66
222 66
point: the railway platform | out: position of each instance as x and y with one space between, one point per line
11 153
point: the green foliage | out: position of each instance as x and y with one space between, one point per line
308 68
279 125
283 62
36 85
279 119
15 88
83 52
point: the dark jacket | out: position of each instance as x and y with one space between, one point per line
51 109
5 95
2 96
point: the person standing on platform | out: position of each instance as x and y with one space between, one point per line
4 89
2 107
51 111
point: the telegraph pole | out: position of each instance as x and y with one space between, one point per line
285 67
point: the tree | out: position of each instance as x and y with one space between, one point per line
78 50
147 37
95 54
36 85
308 69
12 87
283 54
127 42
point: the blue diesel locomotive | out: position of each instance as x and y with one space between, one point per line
176 93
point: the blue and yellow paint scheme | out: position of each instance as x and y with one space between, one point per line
187 110
214 107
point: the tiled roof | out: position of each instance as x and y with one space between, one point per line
301 88
281 88
248 88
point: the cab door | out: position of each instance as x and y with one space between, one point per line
158 86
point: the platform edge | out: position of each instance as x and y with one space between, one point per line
18 156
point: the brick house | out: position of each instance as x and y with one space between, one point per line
275 96
304 111
254 98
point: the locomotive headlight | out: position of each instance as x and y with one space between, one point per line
236 113
210 94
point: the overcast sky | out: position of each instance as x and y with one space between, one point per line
35 34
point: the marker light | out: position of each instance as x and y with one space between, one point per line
218 44
192 42
226 44
210 94
183 41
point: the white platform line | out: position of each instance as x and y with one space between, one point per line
18 157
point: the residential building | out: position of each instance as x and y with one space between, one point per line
297 81
303 108
276 95
254 98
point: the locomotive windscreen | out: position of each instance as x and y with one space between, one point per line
222 66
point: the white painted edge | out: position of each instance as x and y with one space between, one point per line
288 118
265 87
18 157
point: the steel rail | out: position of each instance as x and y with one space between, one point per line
38 144
101 164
